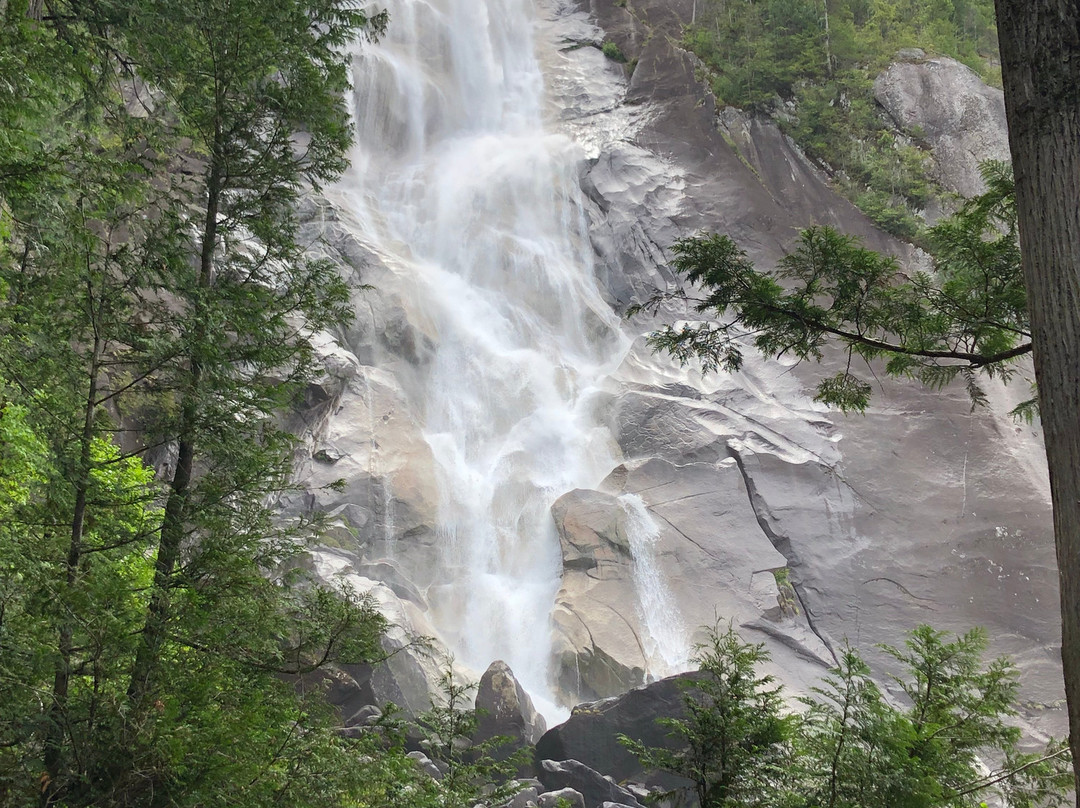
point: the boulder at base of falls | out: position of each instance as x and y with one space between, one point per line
564 797
595 788
526 798
663 551
597 635
506 710
590 735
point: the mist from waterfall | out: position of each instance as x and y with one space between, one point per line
456 178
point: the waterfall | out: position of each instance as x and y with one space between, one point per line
666 644
457 177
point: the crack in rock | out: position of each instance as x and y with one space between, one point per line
782 545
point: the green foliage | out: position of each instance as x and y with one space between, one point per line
613 52
474 771
852 748
733 743
151 650
823 55
968 316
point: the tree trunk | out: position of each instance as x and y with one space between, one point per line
828 43
1040 59
174 521
53 747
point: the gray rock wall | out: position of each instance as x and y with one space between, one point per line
946 105
919 511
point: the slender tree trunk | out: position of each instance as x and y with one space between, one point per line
828 43
175 519
53 748
1040 56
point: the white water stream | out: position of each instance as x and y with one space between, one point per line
665 640
458 178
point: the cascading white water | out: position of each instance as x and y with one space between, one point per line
456 178
666 644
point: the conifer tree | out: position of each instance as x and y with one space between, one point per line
152 280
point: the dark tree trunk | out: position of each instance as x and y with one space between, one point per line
1040 56
174 521
53 747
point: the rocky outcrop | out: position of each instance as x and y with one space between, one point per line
597 636
946 105
561 798
506 710
594 787
590 735
885 520
673 541
406 676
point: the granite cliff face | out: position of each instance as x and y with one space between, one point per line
945 104
629 501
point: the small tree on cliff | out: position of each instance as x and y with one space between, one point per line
733 742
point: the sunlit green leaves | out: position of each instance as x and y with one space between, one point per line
850 746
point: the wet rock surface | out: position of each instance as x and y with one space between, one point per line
506 710
921 511
594 787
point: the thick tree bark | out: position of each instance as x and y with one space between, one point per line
1040 56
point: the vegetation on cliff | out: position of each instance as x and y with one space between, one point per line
850 746
812 64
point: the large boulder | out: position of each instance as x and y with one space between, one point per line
506 710
959 116
590 735
600 637
595 788
561 798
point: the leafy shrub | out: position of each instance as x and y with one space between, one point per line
613 52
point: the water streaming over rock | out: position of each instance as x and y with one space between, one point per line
486 337
666 644
458 180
